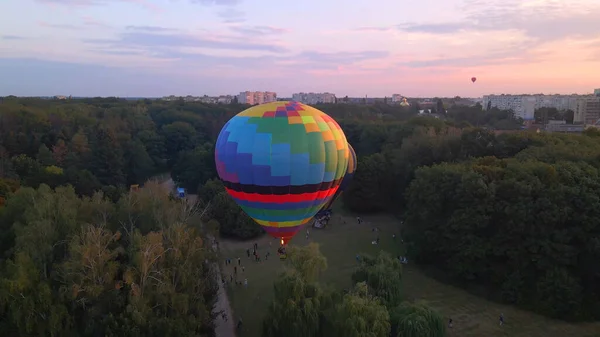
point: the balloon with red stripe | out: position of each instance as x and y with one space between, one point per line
281 162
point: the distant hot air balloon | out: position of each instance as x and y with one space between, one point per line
346 181
473 79
281 162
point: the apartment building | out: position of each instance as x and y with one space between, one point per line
587 110
597 92
522 105
314 98
256 97
560 102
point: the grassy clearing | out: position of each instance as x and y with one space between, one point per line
473 316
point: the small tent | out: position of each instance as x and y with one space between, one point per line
181 192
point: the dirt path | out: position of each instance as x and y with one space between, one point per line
224 327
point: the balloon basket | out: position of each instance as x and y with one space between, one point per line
283 256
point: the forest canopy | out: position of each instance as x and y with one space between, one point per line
514 213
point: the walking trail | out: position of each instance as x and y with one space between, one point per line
224 327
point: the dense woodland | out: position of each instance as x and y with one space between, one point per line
511 215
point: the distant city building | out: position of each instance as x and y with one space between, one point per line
587 110
223 99
256 97
560 102
397 98
524 106
227 99
170 98
314 98
597 92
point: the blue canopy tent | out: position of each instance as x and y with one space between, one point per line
181 192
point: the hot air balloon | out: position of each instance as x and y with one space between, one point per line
473 79
281 162
351 168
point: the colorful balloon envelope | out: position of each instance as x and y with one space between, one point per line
281 162
350 169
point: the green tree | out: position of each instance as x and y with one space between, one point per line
359 314
367 192
233 221
383 275
45 156
307 261
296 308
59 152
107 163
194 168
440 106
139 165
28 303
179 136
416 320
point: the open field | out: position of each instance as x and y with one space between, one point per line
473 316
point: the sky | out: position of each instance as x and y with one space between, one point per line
416 48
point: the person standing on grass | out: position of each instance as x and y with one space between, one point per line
450 323
501 319
239 261
248 252
246 282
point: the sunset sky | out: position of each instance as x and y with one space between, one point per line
348 47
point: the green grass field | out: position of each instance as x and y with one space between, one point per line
473 316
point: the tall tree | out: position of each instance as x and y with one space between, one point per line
383 275
45 156
59 152
138 164
359 314
416 320
307 260
296 308
107 163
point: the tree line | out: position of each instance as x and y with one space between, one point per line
109 144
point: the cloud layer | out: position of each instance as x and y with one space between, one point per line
510 45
